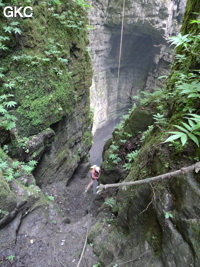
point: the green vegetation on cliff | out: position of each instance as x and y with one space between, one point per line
158 219
38 62
45 75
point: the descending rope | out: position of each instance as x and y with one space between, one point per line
83 249
121 39
119 62
85 243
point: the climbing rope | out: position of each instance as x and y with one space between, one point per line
83 248
119 63
121 40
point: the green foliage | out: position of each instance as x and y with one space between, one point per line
29 167
146 133
162 77
132 109
140 99
123 141
159 119
36 189
12 170
180 40
73 19
192 21
177 146
79 150
37 71
131 156
56 2
190 130
188 54
192 90
115 159
119 126
127 166
159 97
22 143
9 85
114 147
7 120
3 212
188 42
110 202
1 74
183 81
82 3
12 28
49 197
3 47
168 215
11 258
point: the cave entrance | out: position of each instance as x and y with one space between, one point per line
137 60
137 51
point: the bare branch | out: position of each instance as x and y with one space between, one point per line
195 167
153 197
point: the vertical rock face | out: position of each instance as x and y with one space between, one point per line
154 224
69 149
144 54
46 69
49 71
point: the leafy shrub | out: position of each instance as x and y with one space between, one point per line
131 156
12 170
147 133
189 130
159 119
7 120
110 202
192 90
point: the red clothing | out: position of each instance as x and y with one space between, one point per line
95 174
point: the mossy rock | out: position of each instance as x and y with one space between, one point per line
47 64
8 200
138 121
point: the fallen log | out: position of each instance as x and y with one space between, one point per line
195 167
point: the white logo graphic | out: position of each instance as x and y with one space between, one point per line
13 12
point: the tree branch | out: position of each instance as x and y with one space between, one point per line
195 167
154 196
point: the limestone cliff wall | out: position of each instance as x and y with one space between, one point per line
145 55
47 68
152 224
157 223
46 71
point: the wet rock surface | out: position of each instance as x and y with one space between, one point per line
48 236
